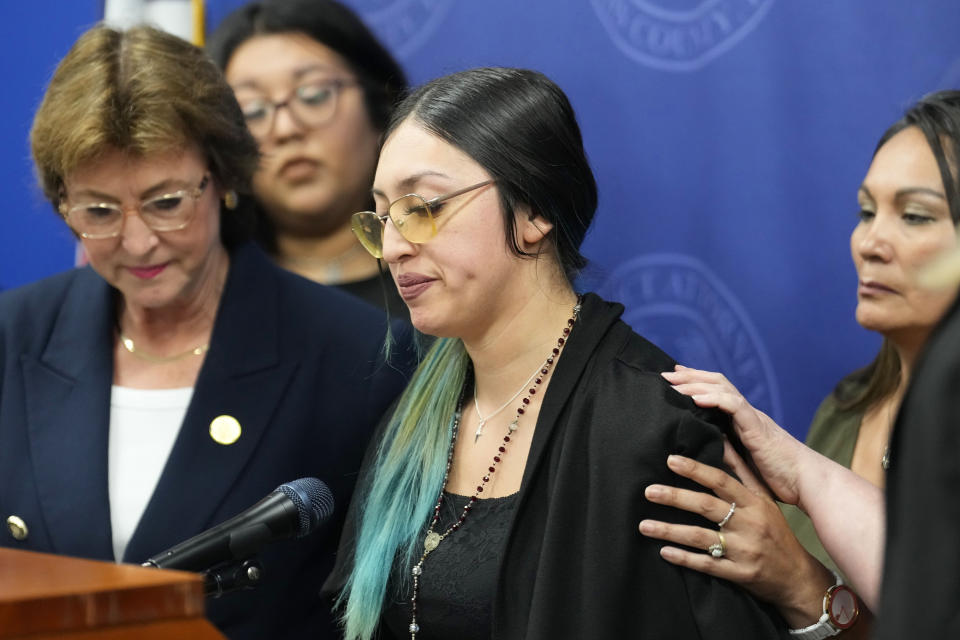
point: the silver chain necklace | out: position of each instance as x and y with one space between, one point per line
483 420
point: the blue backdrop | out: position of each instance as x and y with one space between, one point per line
728 138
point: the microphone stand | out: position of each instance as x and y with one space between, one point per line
232 576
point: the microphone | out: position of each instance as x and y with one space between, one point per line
292 510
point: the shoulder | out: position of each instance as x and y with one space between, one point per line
34 307
310 320
329 306
607 338
833 431
46 292
637 366
623 403
625 368
639 353
341 321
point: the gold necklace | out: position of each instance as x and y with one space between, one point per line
129 345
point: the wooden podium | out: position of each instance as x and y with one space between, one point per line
43 597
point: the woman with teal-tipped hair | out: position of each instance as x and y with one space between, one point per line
501 496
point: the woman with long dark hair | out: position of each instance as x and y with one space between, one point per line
499 499
909 209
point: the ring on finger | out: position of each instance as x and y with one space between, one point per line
718 549
726 518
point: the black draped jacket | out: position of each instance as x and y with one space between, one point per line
574 565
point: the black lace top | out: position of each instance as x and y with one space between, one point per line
459 576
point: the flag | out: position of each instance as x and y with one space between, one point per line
182 18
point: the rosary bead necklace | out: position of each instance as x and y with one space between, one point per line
433 539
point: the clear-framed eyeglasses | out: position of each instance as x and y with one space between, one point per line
312 104
412 215
168 212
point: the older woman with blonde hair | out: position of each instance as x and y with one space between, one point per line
181 376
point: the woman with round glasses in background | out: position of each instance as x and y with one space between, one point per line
909 208
182 376
500 498
316 88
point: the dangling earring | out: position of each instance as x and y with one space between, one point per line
230 199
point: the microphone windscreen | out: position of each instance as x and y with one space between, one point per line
313 500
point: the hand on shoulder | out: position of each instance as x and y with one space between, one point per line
775 452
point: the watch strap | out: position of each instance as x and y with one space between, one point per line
817 631
822 628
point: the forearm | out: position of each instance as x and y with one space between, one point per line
848 513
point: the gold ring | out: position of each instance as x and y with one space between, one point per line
719 549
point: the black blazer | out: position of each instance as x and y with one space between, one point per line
574 565
296 363
921 570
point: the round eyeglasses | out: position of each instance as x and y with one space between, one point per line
311 104
412 215
168 212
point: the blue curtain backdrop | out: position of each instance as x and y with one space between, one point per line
728 138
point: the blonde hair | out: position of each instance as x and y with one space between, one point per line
141 91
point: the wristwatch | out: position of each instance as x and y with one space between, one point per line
840 611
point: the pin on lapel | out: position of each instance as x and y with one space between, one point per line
225 430
18 528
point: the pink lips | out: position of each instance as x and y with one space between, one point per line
147 272
874 288
412 285
298 169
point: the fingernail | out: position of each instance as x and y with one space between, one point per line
679 366
653 491
678 462
667 374
646 527
669 553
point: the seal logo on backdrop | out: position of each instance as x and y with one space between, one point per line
677 303
678 35
402 25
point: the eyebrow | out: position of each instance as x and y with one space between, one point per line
410 182
169 185
909 191
297 74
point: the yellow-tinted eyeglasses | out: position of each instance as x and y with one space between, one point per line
412 215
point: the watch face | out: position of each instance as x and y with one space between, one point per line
843 607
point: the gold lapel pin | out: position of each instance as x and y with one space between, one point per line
225 430
18 528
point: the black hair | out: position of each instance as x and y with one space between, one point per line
937 115
520 127
331 24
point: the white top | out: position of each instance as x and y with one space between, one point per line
144 424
